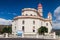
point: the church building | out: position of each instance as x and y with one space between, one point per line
30 20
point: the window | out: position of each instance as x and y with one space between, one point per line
41 23
22 28
46 24
15 27
26 14
23 22
33 22
33 28
31 14
23 15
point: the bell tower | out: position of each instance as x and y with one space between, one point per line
49 16
40 9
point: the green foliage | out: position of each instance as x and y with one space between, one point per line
42 30
7 30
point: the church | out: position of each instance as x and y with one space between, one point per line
30 20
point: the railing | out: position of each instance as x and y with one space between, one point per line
58 37
40 36
1 35
46 36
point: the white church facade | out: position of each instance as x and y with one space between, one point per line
30 20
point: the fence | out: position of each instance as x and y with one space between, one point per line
46 36
51 36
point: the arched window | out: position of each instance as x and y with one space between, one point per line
33 28
26 14
23 22
22 28
15 27
23 15
31 14
41 23
33 22
46 24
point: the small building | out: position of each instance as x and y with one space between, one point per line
30 20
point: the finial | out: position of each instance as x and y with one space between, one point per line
49 14
39 5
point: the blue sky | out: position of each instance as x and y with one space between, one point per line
12 8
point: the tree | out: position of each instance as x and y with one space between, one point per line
7 30
42 30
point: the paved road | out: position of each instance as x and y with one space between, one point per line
24 39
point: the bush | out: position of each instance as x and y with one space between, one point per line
42 30
7 30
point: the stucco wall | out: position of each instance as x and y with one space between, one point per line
28 25
29 13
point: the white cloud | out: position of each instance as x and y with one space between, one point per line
57 10
5 22
57 13
14 14
56 22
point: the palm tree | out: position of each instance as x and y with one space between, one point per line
42 30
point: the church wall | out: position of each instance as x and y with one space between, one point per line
13 27
48 26
28 25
